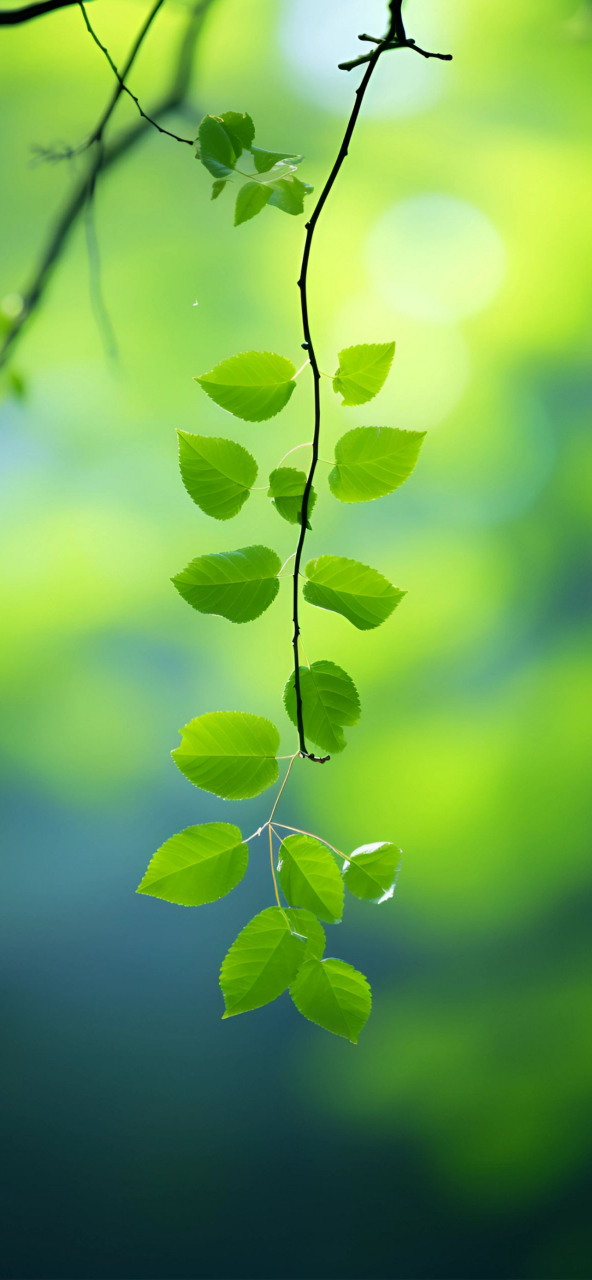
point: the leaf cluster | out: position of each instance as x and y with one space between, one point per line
234 754
270 176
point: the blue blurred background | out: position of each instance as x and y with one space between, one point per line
143 1137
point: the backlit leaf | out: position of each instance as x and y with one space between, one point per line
372 872
334 995
310 877
329 701
217 474
286 488
218 187
373 461
262 962
240 129
265 160
254 385
250 200
216 151
307 926
359 593
363 371
238 585
199 865
289 193
230 753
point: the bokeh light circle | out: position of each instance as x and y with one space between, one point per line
436 258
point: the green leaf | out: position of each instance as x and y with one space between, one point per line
218 187
307 926
334 995
230 753
261 963
372 872
310 878
288 194
265 160
286 488
240 129
238 585
199 865
345 586
329 700
217 474
373 461
216 151
363 371
250 200
254 385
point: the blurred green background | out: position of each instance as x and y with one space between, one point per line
142 1136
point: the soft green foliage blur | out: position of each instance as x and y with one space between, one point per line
460 229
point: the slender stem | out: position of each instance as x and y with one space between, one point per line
300 832
124 87
307 445
308 346
278 797
97 133
275 883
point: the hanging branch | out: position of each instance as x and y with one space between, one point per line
395 38
233 754
104 159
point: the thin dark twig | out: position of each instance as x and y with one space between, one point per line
396 32
113 151
124 87
9 17
97 133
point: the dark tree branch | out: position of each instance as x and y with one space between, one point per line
171 100
9 17
395 38
122 84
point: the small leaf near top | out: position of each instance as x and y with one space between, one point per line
362 371
230 753
238 585
289 194
371 462
286 488
199 865
216 150
372 872
356 591
254 385
240 129
250 200
334 995
266 160
217 474
310 877
329 700
262 962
